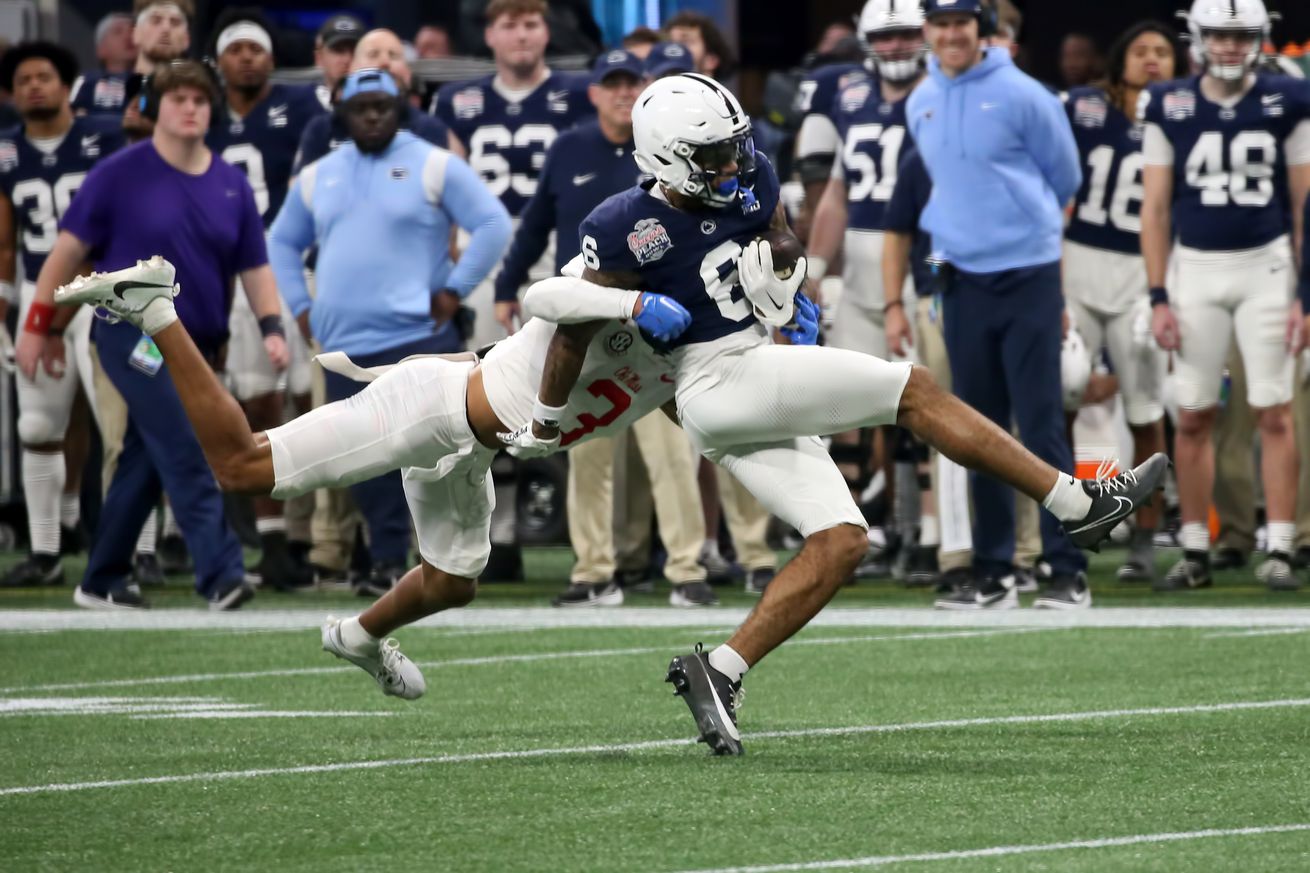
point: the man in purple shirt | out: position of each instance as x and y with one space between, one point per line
169 196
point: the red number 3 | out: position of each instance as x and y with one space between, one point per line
619 400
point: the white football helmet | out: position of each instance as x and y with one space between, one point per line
1075 369
891 16
1247 17
687 126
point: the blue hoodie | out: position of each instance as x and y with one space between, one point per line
1003 163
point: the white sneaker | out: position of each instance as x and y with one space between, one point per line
395 673
123 293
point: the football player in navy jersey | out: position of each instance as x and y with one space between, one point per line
817 143
161 35
42 164
259 136
1104 275
870 120
507 121
1227 172
752 406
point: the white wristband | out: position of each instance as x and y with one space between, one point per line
818 267
7 292
547 416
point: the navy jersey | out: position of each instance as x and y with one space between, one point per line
100 93
913 188
1108 208
873 133
263 144
582 169
507 140
327 132
818 89
1230 164
40 186
689 256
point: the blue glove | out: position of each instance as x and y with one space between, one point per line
804 330
662 317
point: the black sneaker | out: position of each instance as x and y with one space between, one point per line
380 580
279 572
72 540
991 592
230 594
146 572
692 594
636 581
1228 558
1277 574
953 579
1191 571
758 580
1025 580
921 570
173 556
33 572
586 594
1065 592
1301 558
124 595
712 699
1114 499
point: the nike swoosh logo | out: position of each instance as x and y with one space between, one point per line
128 285
583 179
556 96
1271 98
1123 508
718 704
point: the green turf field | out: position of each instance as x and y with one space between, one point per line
997 744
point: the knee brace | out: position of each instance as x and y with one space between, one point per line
908 449
857 455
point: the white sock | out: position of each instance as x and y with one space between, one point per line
1279 535
710 548
355 637
1067 500
726 660
43 485
145 542
170 522
1194 537
70 509
929 531
158 314
275 524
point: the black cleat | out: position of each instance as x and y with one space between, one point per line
587 594
229 594
989 592
921 570
72 540
146 572
1277 574
1114 499
279 572
690 595
758 580
1191 571
34 571
712 699
380 580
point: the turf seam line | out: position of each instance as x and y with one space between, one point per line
487 660
1000 851
647 745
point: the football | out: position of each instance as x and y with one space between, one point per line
787 250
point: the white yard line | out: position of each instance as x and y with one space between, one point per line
1003 851
482 661
647 745
497 618
1267 632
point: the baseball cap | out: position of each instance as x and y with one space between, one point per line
617 61
940 7
668 57
366 80
341 28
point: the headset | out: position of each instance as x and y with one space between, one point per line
989 20
147 100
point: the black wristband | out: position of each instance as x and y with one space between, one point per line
55 331
271 325
1158 295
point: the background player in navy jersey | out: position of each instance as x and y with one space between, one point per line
42 164
869 115
1104 275
752 406
161 35
1227 172
259 136
818 143
507 121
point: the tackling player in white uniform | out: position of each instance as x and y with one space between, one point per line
752 406
1104 274
1227 161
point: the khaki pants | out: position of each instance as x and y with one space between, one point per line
748 522
591 510
931 347
111 413
1235 478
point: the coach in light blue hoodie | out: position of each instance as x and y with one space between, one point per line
1003 162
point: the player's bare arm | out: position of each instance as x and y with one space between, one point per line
828 228
1158 183
261 291
896 248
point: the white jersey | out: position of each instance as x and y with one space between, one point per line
622 380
